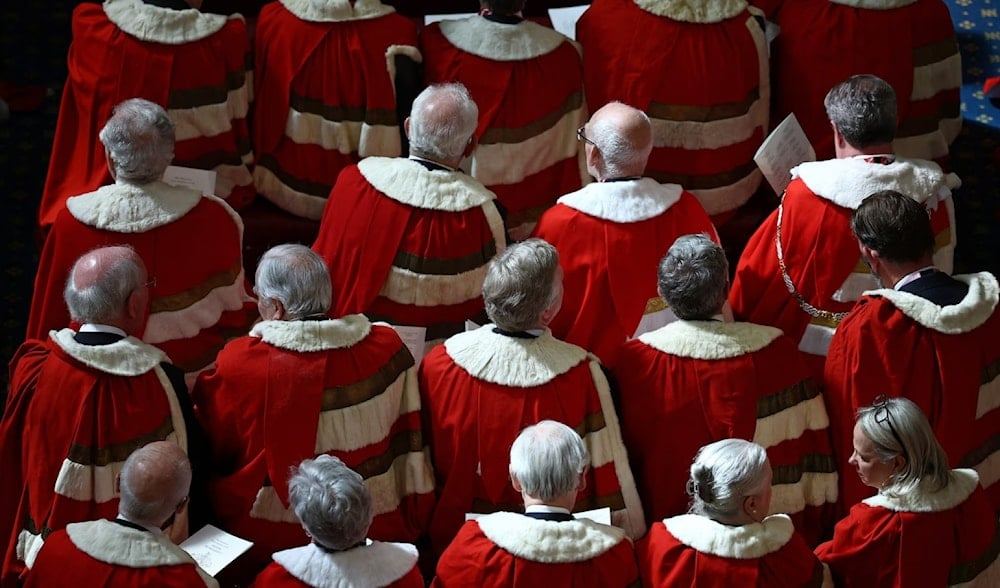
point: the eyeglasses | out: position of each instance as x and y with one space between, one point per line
881 405
581 137
150 283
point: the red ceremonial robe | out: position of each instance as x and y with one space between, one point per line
945 359
694 382
527 153
409 245
943 538
74 415
909 43
192 246
509 549
373 565
194 65
707 127
292 390
611 237
324 94
819 251
480 389
692 550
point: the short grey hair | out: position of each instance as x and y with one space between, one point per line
519 284
298 277
547 459
863 108
442 122
925 460
621 156
139 138
693 277
331 501
105 299
723 474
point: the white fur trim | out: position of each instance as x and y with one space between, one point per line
228 177
808 415
210 120
698 11
360 425
501 42
930 79
163 25
306 336
371 565
293 201
989 469
336 10
875 4
816 339
726 198
345 136
125 357
974 310
710 339
411 183
963 483
404 286
813 489
549 542
28 546
188 322
989 397
391 52
847 182
90 483
627 201
130 208
267 506
744 542
513 361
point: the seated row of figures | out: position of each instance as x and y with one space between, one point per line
331 82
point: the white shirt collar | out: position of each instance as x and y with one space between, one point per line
92 328
910 277
546 509
150 528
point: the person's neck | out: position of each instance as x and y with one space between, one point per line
566 501
847 150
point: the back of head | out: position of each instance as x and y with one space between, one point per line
863 108
100 283
502 7
154 483
519 284
442 122
723 474
624 137
298 277
894 225
547 459
331 501
693 277
139 139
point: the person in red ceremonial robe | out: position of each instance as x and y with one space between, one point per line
927 336
611 235
80 402
544 546
335 509
132 550
929 525
528 82
328 76
801 270
699 380
707 90
191 244
727 538
413 236
194 65
303 384
482 387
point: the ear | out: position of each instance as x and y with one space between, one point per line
582 482
593 156
750 507
406 127
898 463
118 484
473 143
516 484
838 139
135 306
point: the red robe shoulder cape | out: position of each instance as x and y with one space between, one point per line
324 94
376 564
528 153
611 237
693 382
945 359
480 389
292 390
509 549
194 65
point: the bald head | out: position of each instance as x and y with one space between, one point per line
101 286
623 141
442 123
153 483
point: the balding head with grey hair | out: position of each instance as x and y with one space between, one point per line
101 283
547 460
154 484
138 141
442 124
520 285
621 139
693 278
296 276
331 501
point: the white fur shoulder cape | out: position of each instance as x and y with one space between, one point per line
410 183
627 201
847 182
125 357
710 339
501 42
697 11
743 542
336 10
306 336
975 309
133 208
963 484
163 25
549 541
513 361
373 564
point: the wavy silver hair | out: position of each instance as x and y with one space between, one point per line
139 138
298 277
442 122
547 459
331 501
693 277
723 474
519 284
863 108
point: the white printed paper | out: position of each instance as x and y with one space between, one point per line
214 549
785 148
413 338
564 19
202 180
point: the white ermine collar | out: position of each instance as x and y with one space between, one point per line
119 545
743 542
875 4
549 542
513 361
501 42
411 183
847 182
710 339
125 357
130 208
163 25
698 11
628 201
963 484
305 336
336 10
372 564
974 310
